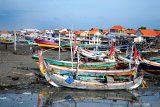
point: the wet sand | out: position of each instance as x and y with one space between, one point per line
19 71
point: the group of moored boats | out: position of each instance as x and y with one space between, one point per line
94 70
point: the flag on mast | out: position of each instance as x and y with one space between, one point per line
136 54
112 51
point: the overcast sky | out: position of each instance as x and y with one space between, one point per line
79 14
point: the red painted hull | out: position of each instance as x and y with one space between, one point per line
38 41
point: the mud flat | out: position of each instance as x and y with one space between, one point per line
19 71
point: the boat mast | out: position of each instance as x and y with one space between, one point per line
15 37
131 57
77 63
71 47
59 47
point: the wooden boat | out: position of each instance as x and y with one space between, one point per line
99 55
83 65
88 68
150 66
30 42
90 83
125 60
95 82
46 44
7 41
120 72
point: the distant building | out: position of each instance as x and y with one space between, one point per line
94 36
146 34
105 32
81 35
118 29
131 32
5 34
158 33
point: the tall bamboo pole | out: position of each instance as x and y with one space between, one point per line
71 47
59 47
15 37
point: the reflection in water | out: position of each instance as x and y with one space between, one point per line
63 97
79 98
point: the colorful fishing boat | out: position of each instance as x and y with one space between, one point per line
90 83
31 42
83 65
46 44
96 56
132 58
84 80
151 65
99 55
8 41
88 67
119 72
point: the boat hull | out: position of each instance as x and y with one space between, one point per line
46 44
78 84
150 68
84 65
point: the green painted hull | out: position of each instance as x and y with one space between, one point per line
82 66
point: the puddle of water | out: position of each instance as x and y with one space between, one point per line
80 98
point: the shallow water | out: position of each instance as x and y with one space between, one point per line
79 98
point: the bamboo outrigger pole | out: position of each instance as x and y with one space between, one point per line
78 62
71 48
59 47
15 37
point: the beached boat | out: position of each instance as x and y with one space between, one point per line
83 65
151 65
91 83
125 59
46 44
88 68
132 58
99 55
31 42
119 72
8 41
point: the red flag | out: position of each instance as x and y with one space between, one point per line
136 54
75 46
112 51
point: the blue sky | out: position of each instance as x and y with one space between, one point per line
79 14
